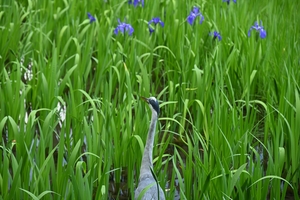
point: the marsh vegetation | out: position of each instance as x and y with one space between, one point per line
226 75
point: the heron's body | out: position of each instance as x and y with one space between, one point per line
152 193
146 178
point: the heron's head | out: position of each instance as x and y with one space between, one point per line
153 103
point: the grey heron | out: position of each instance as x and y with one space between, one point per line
146 180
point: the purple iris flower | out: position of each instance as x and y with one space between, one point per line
228 1
216 35
123 27
136 2
195 12
155 20
258 28
92 19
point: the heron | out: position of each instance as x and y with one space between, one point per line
146 178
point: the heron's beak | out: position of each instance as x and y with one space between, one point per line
145 99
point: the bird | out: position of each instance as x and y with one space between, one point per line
146 177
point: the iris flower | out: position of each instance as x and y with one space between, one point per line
228 1
258 28
92 19
195 12
136 2
155 20
123 27
216 35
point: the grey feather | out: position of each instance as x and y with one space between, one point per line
146 178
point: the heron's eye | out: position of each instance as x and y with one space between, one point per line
151 102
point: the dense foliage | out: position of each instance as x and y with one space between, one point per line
226 74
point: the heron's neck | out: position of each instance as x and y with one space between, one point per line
147 156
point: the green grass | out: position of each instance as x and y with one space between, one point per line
230 109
